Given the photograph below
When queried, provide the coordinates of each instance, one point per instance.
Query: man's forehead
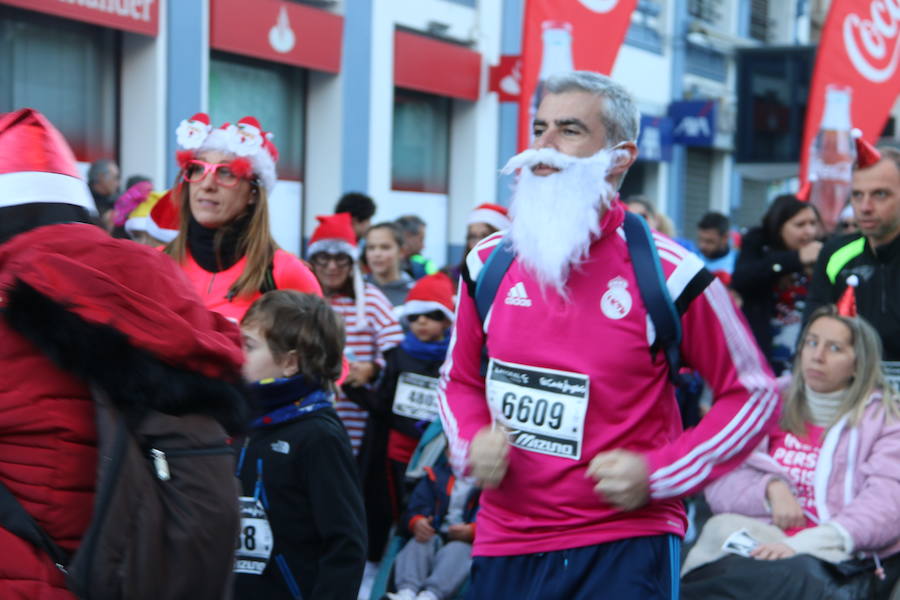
(572, 104)
(884, 173)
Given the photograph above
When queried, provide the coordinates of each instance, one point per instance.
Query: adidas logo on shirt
(517, 296)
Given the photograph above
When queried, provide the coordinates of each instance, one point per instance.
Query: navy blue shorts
(644, 568)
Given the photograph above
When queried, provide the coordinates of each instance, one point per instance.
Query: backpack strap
(15, 519)
(654, 292)
(488, 283)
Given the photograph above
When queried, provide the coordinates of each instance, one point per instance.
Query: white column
(322, 169)
(143, 105)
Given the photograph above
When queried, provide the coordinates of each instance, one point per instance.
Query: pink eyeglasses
(196, 171)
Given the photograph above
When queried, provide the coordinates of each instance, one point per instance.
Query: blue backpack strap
(488, 283)
(652, 284)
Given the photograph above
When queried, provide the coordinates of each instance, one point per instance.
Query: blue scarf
(287, 398)
(435, 351)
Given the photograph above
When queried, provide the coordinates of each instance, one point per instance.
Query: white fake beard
(555, 218)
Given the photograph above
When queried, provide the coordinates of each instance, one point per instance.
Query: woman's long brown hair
(257, 244)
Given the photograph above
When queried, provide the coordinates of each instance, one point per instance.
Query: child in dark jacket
(303, 529)
(441, 517)
(408, 392)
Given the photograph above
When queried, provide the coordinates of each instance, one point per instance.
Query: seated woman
(822, 488)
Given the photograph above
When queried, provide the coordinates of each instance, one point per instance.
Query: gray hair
(620, 114)
(411, 224)
(98, 169)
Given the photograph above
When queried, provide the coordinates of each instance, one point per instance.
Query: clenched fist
(488, 457)
(622, 478)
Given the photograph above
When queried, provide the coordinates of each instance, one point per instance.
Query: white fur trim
(823, 469)
(493, 218)
(229, 140)
(137, 224)
(163, 235)
(333, 246)
(418, 307)
(27, 187)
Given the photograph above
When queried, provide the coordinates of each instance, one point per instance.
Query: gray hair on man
(620, 114)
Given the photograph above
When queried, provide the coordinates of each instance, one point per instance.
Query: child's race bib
(254, 546)
(416, 397)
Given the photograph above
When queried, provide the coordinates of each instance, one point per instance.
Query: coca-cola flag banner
(566, 35)
(859, 49)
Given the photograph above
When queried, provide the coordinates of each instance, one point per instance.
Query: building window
(645, 31)
(67, 70)
(709, 11)
(759, 20)
(237, 85)
(421, 142)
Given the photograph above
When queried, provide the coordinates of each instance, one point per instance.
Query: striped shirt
(366, 342)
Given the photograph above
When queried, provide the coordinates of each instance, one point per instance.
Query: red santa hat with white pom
(245, 139)
(431, 293)
(335, 235)
(37, 165)
(493, 214)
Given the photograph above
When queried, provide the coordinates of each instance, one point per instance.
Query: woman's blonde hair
(257, 244)
(867, 378)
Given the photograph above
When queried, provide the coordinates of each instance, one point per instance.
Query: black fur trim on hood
(102, 356)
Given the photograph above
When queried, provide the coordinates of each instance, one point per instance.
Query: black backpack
(165, 516)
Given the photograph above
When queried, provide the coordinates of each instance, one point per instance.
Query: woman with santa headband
(223, 241)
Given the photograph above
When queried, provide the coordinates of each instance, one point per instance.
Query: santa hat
(37, 165)
(244, 139)
(846, 305)
(139, 218)
(866, 154)
(334, 235)
(431, 293)
(493, 214)
(164, 218)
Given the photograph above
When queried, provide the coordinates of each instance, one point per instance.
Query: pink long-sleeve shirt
(595, 344)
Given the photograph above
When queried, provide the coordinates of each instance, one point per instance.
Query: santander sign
(873, 44)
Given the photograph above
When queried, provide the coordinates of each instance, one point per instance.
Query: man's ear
(290, 364)
(624, 155)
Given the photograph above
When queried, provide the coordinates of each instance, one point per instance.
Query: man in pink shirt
(573, 428)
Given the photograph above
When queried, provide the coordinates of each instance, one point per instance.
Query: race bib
(254, 546)
(544, 409)
(416, 397)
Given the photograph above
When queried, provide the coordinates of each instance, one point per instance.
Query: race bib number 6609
(544, 409)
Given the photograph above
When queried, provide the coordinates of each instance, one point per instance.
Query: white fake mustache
(554, 158)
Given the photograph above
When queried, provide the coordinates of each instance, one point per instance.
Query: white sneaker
(404, 594)
(427, 595)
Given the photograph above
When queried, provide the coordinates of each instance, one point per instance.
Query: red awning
(278, 31)
(137, 16)
(429, 65)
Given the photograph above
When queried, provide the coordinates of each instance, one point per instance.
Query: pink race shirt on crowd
(799, 455)
(574, 377)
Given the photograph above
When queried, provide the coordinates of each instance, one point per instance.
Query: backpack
(165, 517)
(651, 283)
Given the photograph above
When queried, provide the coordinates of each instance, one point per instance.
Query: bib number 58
(526, 409)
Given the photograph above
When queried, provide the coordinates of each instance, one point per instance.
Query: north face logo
(517, 296)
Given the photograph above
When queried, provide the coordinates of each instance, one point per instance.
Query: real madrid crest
(616, 302)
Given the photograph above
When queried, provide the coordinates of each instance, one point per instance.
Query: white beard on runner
(555, 218)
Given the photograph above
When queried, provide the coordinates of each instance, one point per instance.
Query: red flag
(562, 35)
(860, 49)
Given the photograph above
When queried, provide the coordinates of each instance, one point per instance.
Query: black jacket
(878, 292)
(315, 508)
(400, 361)
(757, 270)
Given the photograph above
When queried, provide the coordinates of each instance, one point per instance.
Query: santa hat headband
(431, 293)
(37, 165)
(493, 214)
(244, 139)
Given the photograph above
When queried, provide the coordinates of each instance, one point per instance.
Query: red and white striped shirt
(366, 342)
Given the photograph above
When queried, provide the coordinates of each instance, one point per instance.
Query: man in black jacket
(871, 257)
